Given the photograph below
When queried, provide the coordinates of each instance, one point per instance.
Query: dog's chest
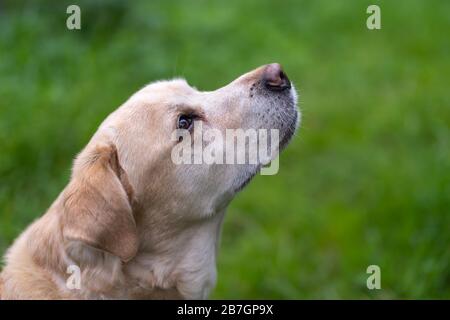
(159, 278)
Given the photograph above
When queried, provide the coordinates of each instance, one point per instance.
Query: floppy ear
(98, 204)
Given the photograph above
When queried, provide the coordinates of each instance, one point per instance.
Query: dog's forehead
(173, 86)
(168, 92)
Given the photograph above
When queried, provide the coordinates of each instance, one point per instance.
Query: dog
(132, 224)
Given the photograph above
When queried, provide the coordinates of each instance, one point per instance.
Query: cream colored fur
(137, 225)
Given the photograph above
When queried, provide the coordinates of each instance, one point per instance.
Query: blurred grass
(367, 180)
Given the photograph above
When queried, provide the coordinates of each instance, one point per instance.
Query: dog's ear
(98, 204)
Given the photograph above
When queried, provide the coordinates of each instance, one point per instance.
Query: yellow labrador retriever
(132, 223)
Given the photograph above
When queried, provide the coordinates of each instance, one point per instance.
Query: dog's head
(130, 172)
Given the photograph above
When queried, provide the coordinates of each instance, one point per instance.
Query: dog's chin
(245, 177)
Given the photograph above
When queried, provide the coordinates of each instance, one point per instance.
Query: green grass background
(366, 181)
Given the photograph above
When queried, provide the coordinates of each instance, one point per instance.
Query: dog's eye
(185, 122)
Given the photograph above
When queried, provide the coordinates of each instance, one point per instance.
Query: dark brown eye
(185, 122)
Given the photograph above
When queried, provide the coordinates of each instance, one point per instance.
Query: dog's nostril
(275, 79)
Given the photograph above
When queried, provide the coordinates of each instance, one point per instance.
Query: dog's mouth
(275, 98)
(291, 129)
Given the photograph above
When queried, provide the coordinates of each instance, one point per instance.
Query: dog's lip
(290, 132)
(294, 121)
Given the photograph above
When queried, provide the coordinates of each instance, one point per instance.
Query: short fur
(137, 225)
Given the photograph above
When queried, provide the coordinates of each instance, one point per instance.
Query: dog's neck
(178, 260)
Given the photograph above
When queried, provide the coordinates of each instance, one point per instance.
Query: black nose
(275, 79)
